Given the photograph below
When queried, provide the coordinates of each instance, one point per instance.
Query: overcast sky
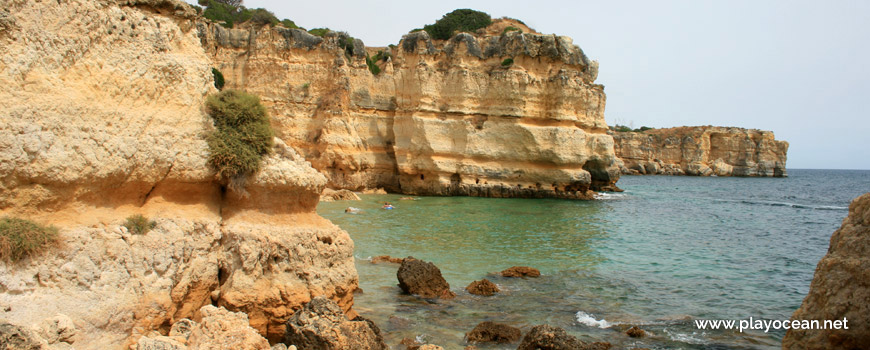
(798, 68)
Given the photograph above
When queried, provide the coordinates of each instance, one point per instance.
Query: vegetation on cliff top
(242, 137)
(20, 238)
(231, 12)
(623, 128)
(461, 20)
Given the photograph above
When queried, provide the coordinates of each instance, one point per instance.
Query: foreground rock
(493, 332)
(701, 151)
(101, 118)
(555, 338)
(423, 278)
(635, 332)
(840, 288)
(330, 195)
(322, 325)
(521, 271)
(483, 287)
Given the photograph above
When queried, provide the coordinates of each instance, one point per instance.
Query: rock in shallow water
(555, 338)
(521, 271)
(493, 332)
(423, 278)
(483, 287)
(322, 325)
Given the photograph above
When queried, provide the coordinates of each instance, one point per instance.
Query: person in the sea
(387, 205)
(352, 210)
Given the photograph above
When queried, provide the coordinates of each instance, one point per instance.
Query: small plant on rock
(507, 62)
(139, 225)
(20, 238)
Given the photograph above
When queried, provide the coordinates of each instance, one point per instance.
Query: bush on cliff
(218, 79)
(242, 137)
(20, 238)
(319, 31)
(462, 20)
(261, 16)
(139, 225)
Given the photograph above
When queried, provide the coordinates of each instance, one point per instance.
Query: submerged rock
(555, 338)
(423, 278)
(840, 289)
(483, 287)
(521, 271)
(635, 332)
(386, 258)
(330, 195)
(493, 332)
(322, 325)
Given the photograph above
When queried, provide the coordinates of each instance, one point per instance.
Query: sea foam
(589, 320)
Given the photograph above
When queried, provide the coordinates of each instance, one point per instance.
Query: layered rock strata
(701, 151)
(101, 118)
(441, 118)
(840, 288)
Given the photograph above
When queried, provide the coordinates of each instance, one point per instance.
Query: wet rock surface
(423, 279)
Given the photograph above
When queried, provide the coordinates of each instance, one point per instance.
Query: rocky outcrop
(483, 287)
(493, 332)
(840, 288)
(322, 325)
(441, 118)
(521, 271)
(423, 278)
(555, 338)
(101, 118)
(701, 151)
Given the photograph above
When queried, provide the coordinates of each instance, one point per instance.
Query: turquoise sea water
(665, 252)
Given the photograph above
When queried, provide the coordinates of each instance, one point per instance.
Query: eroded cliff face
(100, 118)
(441, 118)
(701, 151)
(840, 288)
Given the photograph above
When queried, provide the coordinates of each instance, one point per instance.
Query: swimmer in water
(352, 210)
(387, 205)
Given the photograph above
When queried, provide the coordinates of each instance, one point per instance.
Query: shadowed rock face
(322, 325)
(840, 288)
(441, 118)
(701, 151)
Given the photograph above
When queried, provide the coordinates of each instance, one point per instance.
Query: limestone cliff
(701, 151)
(441, 118)
(840, 288)
(100, 118)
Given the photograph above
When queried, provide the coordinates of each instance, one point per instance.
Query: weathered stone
(330, 195)
(159, 343)
(182, 328)
(322, 325)
(521, 271)
(14, 337)
(386, 258)
(840, 288)
(423, 278)
(483, 287)
(57, 329)
(222, 329)
(493, 332)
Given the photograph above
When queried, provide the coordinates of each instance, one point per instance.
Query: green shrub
(242, 137)
(218, 79)
(462, 20)
(139, 225)
(643, 128)
(507, 62)
(227, 11)
(289, 24)
(198, 9)
(373, 67)
(20, 238)
(511, 29)
(620, 128)
(263, 16)
(415, 30)
(319, 31)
